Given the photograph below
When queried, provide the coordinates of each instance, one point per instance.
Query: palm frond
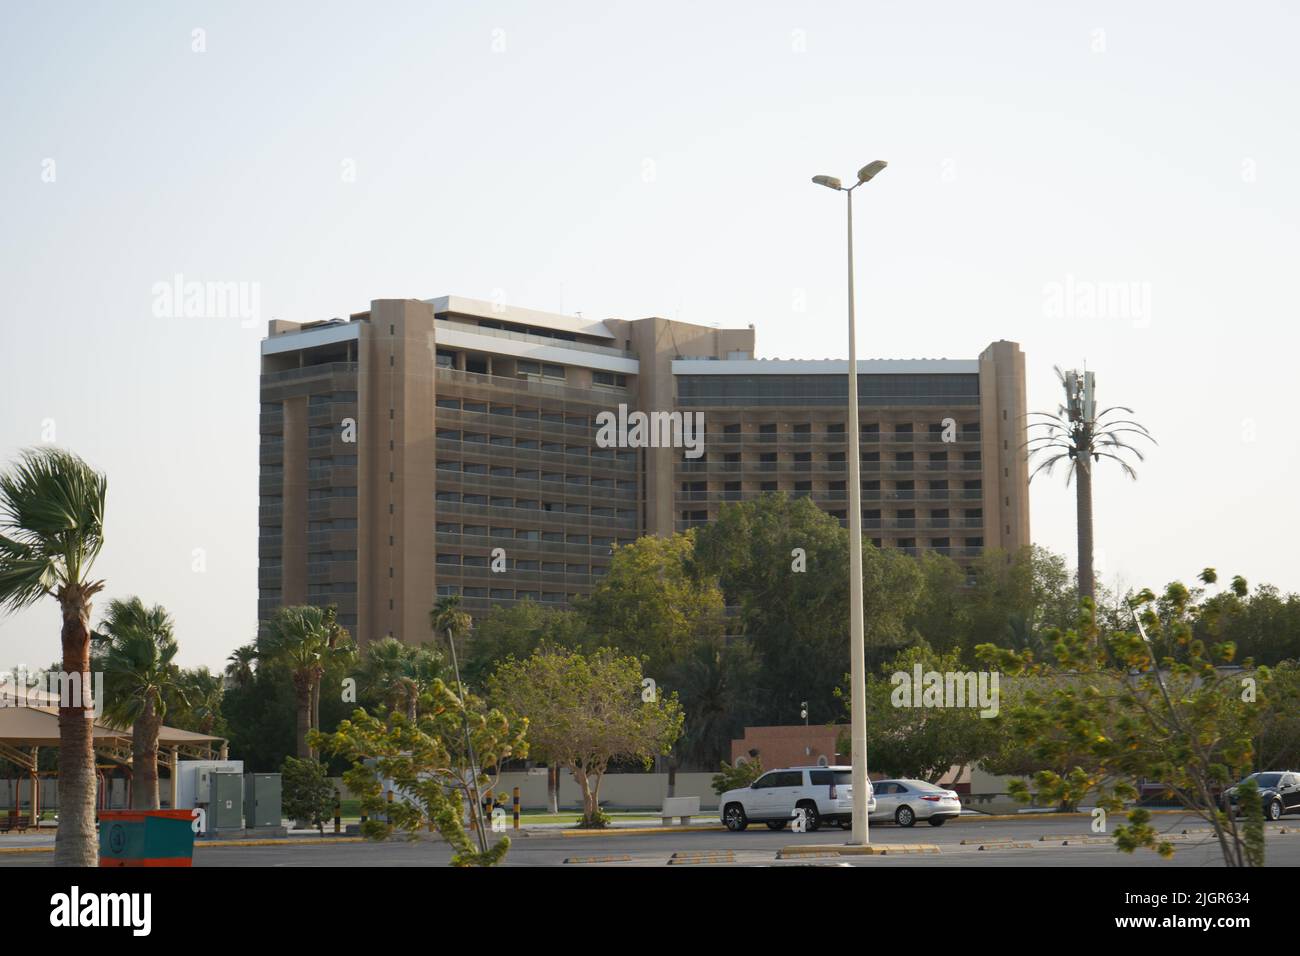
(51, 524)
(1124, 466)
(1119, 446)
(1047, 466)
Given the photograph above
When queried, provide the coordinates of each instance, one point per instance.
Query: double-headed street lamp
(857, 649)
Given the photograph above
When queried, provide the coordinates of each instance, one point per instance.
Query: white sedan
(906, 801)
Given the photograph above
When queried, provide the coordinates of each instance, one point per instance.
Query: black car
(1279, 792)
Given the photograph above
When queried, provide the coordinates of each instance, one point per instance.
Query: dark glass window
(934, 388)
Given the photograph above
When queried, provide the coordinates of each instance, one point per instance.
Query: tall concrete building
(453, 446)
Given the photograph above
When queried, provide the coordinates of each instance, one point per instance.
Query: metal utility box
(194, 783)
(226, 803)
(262, 800)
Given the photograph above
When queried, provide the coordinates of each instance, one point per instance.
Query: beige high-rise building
(453, 446)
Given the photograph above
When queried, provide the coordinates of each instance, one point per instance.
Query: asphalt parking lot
(972, 841)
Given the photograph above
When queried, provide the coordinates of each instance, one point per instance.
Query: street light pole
(857, 645)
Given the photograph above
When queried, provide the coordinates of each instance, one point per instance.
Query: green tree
(784, 562)
(651, 604)
(907, 739)
(742, 774)
(585, 711)
(307, 793)
(449, 618)
(1266, 626)
(1278, 742)
(1077, 432)
(302, 638)
(51, 532)
(338, 660)
(261, 717)
(435, 768)
(199, 705)
(241, 664)
(399, 674)
(716, 685)
(1186, 722)
(136, 652)
(942, 615)
(517, 631)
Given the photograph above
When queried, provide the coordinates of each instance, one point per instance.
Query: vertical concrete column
(173, 767)
(1003, 423)
(400, 464)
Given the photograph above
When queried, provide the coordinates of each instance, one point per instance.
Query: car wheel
(904, 816)
(811, 818)
(1275, 810)
(734, 817)
(776, 824)
(938, 821)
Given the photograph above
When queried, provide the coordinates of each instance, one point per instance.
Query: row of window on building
(625, 485)
(484, 562)
(575, 509)
(506, 594)
(530, 534)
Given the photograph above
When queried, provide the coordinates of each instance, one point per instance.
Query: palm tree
(399, 674)
(239, 665)
(203, 692)
(51, 531)
(338, 652)
(300, 637)
(1082, 435)
(448, 617)
(715, 683)
(137, 655)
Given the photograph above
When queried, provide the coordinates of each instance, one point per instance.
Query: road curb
(200, 844)
(286, 841)
(875, 849)
(624, 858)
(633, 831)
(1049, 815)
(702, 856)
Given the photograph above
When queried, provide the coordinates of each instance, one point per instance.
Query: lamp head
(868, 171)
(830, 182)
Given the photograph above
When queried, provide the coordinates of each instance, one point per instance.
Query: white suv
(824, 794)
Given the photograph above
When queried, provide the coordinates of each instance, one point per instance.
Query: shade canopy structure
(20, 695)
(26, 729)
(39, 727)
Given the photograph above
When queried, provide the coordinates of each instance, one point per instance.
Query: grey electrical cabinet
(226, 806)
(262, 799)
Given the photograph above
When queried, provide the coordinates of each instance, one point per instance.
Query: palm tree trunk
(303, 692)
(1083, 491)
(144, 760)
(75, 843)
(315, 712)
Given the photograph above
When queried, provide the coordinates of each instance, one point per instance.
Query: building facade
(453, 446)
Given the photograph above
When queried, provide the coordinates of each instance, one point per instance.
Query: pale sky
(652, 159)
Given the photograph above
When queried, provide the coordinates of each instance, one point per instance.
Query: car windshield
(1265, 779)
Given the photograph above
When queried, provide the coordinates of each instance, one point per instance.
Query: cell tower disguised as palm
(1084, 436)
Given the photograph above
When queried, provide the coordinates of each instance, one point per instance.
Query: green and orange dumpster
(146, 838)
